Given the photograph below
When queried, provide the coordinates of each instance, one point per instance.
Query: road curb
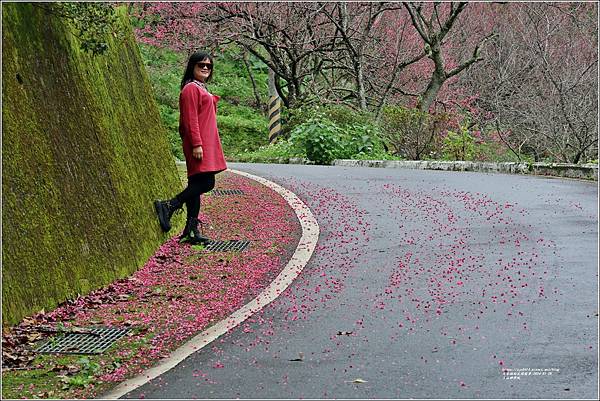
(301, 256)
(586, 171)
(563, 170)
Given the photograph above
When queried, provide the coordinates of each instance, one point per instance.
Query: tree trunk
(258, 102)
(279, 89)
(360, 83)
(431, 92)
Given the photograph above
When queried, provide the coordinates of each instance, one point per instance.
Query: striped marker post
(274, 118)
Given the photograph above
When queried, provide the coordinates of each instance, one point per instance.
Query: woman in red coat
(201, 146)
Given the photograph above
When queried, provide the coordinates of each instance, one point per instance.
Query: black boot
(191, 234)
(164, 211)
(186, 231)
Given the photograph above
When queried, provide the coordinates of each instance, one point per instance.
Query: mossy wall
(83, 157)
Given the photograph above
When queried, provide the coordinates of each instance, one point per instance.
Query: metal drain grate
(96, 342)
(221, 192)
(226, 246)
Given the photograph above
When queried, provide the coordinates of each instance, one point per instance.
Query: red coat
(198, 127)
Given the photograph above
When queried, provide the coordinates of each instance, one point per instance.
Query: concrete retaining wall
(581, 171)
(84, 155)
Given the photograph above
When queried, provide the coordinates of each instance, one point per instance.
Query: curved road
(424, 284)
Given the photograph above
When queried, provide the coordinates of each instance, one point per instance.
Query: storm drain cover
(222, 192)
(98, 340)
(226, 246)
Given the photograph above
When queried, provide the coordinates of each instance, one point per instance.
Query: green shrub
(469, 144)
(279, 152)
(342, 116)
(411, 133)
(321, 139)
(496, 152)
(459, 145)
(325, 140)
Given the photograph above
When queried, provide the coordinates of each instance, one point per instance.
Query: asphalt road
(424, 284)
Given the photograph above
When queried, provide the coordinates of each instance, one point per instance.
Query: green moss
(84, 156)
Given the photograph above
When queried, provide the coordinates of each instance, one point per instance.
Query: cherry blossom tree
(527, 72)
(538, 85)
(370, 45)
(433, 22)
(287, 37)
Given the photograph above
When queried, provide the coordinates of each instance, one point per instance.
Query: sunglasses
(205, 65)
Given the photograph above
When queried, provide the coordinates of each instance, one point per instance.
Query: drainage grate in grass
(223, 192)
(98, 340)
(227, 246)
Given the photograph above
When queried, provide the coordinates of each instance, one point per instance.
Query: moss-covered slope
(83, 157)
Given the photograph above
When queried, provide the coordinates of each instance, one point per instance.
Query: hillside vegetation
(317, 132)
(497, 81)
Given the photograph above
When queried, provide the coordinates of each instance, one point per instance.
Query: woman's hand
(197, 152)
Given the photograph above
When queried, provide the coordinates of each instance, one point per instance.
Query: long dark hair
(188, 75)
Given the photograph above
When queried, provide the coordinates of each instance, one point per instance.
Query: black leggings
(197, 184)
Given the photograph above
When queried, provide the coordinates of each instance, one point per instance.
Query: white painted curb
(301, 256)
